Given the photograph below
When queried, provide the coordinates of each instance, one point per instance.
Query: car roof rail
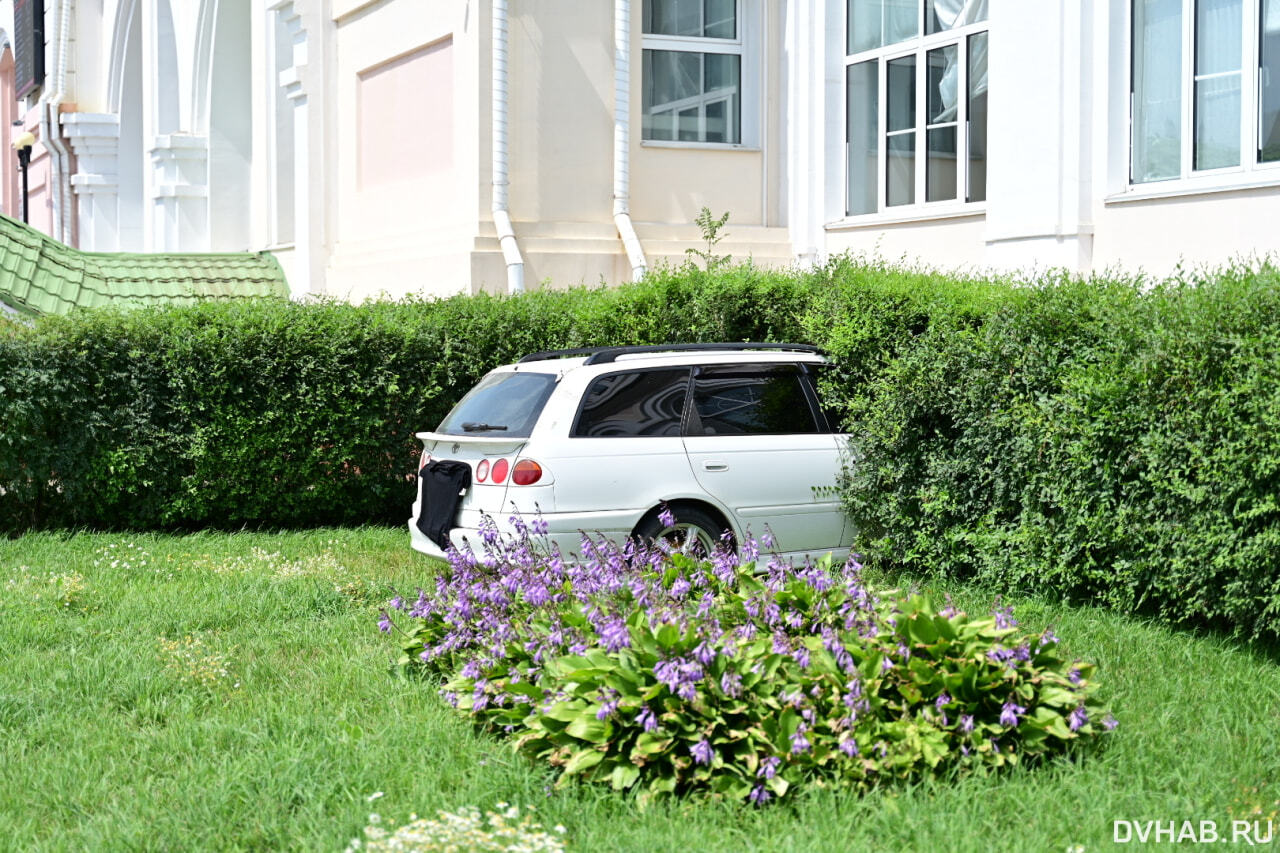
(608, 355)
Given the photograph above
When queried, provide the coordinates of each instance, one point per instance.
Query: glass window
(1217, 83)
(501, 405)
(1206, 86)
(734, 401)
(943, 110)
(1269, 81)
(1157, 89)
(636, 403)
(977, 124)
(862, 92)
(916, 115)
(876, 23)
(692, 71)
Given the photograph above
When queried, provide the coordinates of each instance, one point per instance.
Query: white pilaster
(179, 169)
(1040, 137)
(95, 139)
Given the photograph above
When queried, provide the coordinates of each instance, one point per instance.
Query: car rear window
(635, 403)
(502, 404)
(751, 401)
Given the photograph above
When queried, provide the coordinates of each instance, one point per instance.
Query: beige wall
(404, 109)
(1158, 234)
(955, 243)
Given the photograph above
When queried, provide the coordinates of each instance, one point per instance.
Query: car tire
(695, 531)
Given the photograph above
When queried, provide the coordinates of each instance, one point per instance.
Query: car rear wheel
(694, 532)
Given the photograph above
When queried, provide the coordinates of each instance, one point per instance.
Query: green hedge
(287, 414)
(1109, 441)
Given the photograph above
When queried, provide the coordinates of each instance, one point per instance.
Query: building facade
(443, 146)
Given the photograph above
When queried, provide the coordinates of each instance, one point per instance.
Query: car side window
(754, 400)
(634, 403)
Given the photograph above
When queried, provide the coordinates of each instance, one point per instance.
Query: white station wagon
(728, 437)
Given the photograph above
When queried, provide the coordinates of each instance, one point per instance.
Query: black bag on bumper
(443, 484)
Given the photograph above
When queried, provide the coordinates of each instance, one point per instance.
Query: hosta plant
(740, 675)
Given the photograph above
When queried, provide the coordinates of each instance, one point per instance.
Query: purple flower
(666, 518)
(702, 752)
(942, 701)
(769, 767)
(1009, 713)
(1077, 718)
(1109, 723)
(607, 709)
(396, 603)
(801, 654)
(680, 587)
(1074, 677)
(614, 635)
(731, 685)
(705, 653)
(966, 723)
(849, 747)
(646, 719)
(799, 743)
(759, 795)
(1004, 618)
(384, 624)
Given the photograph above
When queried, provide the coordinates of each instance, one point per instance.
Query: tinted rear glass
(638, 403)
(502, 404)
(735, 401)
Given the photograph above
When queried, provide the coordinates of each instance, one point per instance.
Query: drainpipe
(622, 137)
(51, 129)
(501, 217)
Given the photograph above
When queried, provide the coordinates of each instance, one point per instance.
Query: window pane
(942, 15)
(685, 84)
(1218, 43)
(1157, 90)
(640, 403)
(944, 79)
(758, 403)
(862, 91)
(721, 21)
(697, 18)
(901, 93)
(875, 23)
(940, 168)
(1217, 141)
(900, 170)
(977, 117)
(1269, 78)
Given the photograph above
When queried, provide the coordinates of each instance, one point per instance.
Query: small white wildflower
(375, 796)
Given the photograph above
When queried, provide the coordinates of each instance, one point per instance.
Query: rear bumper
(564, 530)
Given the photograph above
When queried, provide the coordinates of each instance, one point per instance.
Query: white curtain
(952, 14)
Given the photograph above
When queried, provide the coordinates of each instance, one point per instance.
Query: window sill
(1181, 188)
(698, 146)
(877, 220)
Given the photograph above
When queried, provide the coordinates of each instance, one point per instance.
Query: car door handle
(715, 466)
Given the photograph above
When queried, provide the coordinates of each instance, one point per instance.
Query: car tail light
(526, 473)
(499, 472)
(423, 458)
(482, 471)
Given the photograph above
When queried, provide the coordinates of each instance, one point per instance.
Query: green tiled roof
(39, 275)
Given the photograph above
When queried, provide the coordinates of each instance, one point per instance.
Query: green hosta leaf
(583, 759)
(624, 776)
(566, 712)
(588, 728)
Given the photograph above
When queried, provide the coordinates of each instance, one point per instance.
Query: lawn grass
(210, 696)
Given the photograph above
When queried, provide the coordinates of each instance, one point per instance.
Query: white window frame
(1250, 172)
(746, 46)
(918, 46)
